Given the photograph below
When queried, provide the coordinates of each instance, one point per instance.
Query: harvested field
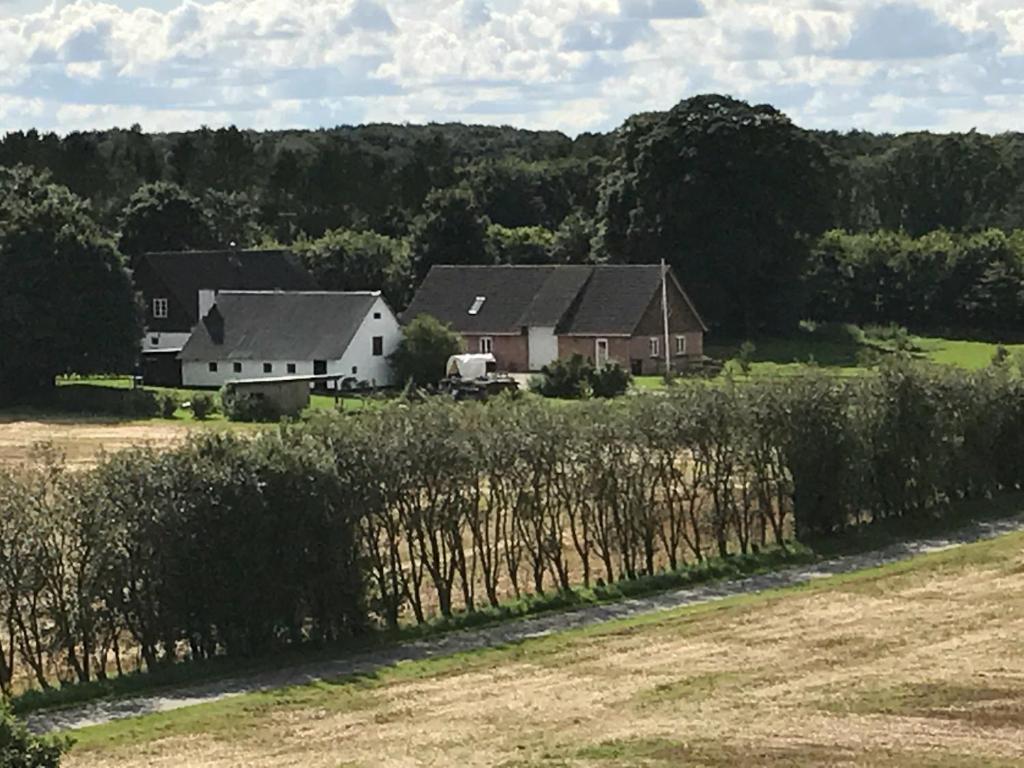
(914, 664)
(81, 439)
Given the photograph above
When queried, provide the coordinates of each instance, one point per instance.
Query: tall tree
(343, 260)
(163, 217)
(726, 193)
(451, 230)
(66, 300)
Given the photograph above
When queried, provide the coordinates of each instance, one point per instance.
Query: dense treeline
(234, 545)
(732, 195)
(943, 280)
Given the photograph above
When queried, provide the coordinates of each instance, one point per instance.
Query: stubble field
(918, 664)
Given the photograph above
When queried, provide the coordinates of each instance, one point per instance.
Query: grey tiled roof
(588, 300)
(280, 325)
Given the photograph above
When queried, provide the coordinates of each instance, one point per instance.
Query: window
(160, 308)
(154, 340)
(478, 302)
(486, 345)
(378, 346)
(680, 345)
(213, 367)
(376, 315)
(655, 345)
(319, 367)
(268, 368)
(237, 367)
(291, 367)
(355, 369)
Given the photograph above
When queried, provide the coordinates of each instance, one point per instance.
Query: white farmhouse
(273, 334)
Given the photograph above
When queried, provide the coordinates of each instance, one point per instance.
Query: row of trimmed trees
(239, 545)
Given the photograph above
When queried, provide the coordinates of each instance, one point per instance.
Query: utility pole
(664, 313)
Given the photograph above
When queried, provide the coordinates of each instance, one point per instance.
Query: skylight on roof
(477, 303)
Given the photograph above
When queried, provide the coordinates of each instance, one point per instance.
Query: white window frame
(680, 345)
(160, 309)
(601, 359)
(486, 345)
(654, 346)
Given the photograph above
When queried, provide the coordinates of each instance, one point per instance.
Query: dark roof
(279, 325)
(185, 273)
(615, 300)
(586, 300)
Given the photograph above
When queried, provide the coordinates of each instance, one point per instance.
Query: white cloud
(573, 65)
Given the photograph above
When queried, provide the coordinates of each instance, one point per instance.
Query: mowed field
(916, 664)
(81, 439)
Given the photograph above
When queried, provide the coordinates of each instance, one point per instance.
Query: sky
(568, 65)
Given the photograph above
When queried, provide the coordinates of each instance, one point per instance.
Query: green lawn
(318, 403)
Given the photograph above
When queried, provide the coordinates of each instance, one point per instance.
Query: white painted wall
(164, 340)
(543, 347)
(359, 355)
(207, 298)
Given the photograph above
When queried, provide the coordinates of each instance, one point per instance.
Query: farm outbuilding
(273, 334)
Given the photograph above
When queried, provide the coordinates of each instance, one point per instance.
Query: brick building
(528, 316)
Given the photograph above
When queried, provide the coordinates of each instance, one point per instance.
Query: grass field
(915, 664)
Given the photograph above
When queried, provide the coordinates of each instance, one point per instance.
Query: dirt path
(512, 632)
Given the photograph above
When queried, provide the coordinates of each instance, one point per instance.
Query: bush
(423, 352)
(576, 378)
(85, 398)
(610, 381)
(168, 405)
(567, 379)
(202, 406)
(21, 749)
(248, 407)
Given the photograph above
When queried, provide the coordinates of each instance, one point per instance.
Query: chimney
(214, 322)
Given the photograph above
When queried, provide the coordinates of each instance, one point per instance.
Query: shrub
(610, 381)
(248, 407)
(168, 406)
(424, 350)
(21, 749)
(567, 379)
(85, 398)
(202, 406)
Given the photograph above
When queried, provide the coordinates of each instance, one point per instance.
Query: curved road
(99, 712)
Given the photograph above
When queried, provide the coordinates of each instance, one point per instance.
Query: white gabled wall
(360, 351)
(359, 355)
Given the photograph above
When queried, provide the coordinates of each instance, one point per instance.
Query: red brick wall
(511, 352)
(618, 348)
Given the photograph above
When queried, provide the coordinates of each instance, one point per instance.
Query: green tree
(21, 749)
(232, 219)
(424, 350)
(163, 217)
(521, 245)
(344, 260)
(725, 192)
(451, 230)
(66, 300)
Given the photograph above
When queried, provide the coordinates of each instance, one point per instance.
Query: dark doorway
(636, 366)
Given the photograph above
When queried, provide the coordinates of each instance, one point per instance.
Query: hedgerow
(316, 532)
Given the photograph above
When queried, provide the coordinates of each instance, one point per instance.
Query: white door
(601, 352)
(543, 347)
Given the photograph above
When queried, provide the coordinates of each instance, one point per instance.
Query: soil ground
(915, 663)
